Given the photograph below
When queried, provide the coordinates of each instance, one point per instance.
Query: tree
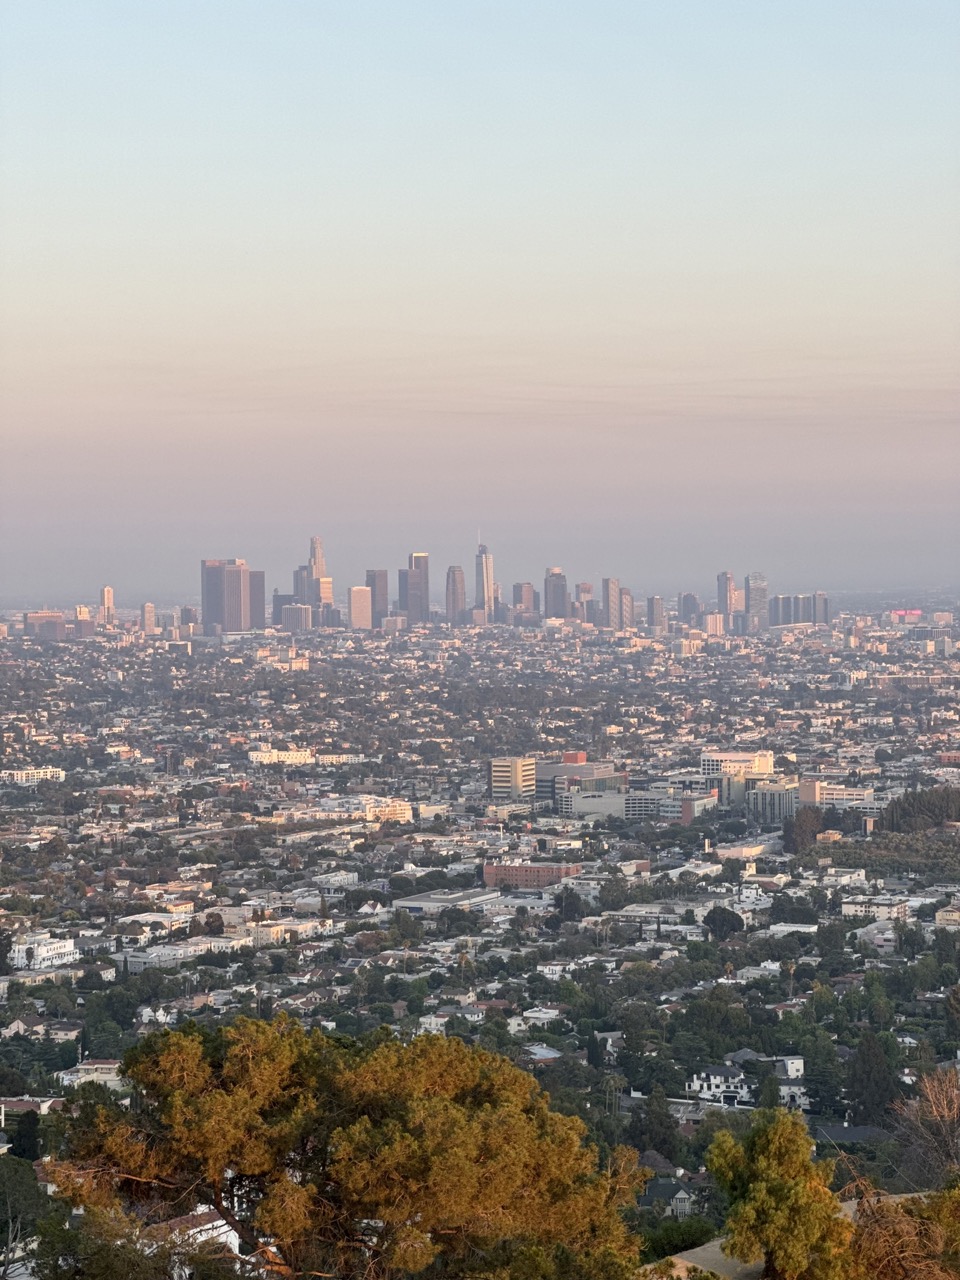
(352, 1159)
(782, 1209)
(928, 1127)
(26, 1139)
(871, 1083)
(653, 1127)
(594, 1052)
(106, 1245)
(213, 924)
(22, 1205)
(722, 922)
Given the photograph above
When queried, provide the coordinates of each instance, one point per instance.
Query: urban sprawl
(679, 858)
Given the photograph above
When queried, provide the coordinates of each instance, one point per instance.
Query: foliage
(353, 1159)
(722, 922)
(106, 1245)
(928, 1128)
(871, 1083)
(653, 1127)
(22, 1205)
(782, 1209)
(920, 809)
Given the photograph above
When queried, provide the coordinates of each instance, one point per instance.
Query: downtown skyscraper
(485, 591)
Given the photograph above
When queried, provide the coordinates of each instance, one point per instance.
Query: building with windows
(360, 608)
(379, 596)
(485, 591)
(233, 597)
(556, 599)
(512, 778)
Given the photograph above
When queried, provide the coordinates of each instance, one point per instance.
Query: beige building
(513, 778)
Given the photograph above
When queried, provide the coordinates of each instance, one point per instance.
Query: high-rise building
(726, 589)
(307, 577)
(627, 610)
(821, 607)
(148, 618)
(360, 608)
(656, 613)
(485, 593)
(583, 592)
(379, 596)
(296, 618)
(456, 595)
(688, 607)
(318, 561)
(525, 598)
(414, 588)
(106, 614)
(610, 595)
(755, 597)
(233, 596)
(556, 601)
(512, 778)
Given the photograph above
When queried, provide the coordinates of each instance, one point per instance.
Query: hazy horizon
(647, 291)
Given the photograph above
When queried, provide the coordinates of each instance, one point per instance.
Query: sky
(645, 288)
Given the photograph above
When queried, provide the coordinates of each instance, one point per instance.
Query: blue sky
(649, 289)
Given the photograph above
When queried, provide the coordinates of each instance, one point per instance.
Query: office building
(525, 598)
(755, 597)
(512, 778)
(627, 611)
(360, 608)
(45, 624)
(688, 608)
(726, 595)
(233, 596)
(295, 618)
(484, 601)
(556, 601)
(148, 618)
(414, 589)
(656, 613)
(456, 595)
(106, 614)
(379, 596)
(610, 597)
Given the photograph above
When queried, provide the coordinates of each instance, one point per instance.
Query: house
(104, 1071)
(725, 1085)
(678, 1201)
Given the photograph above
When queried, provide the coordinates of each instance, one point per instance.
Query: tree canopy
(374, 1160)
(782, 1209)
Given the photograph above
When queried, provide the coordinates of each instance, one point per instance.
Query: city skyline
(616, 283)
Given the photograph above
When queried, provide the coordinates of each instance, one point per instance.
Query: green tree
(26, 1139)
(653, 1128)
(370, 1159)
(722, 922)
(22, 1205)
(782, 1209)
(871, 1082)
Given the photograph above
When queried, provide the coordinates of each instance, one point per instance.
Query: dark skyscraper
(556, 601)
(233, 596)
(456, 595)
(688, 607)
(656, 613)
(378, 583)
(414, 589)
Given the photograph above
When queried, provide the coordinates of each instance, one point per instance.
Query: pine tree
(871, 1083)
(782, 1209)
(653, 1128)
